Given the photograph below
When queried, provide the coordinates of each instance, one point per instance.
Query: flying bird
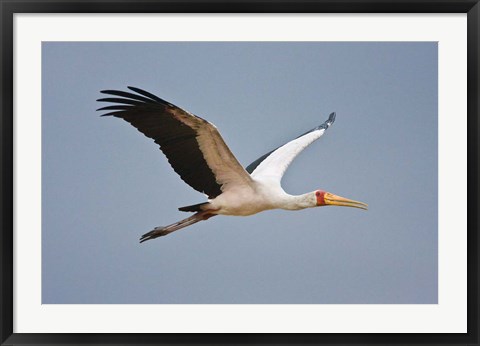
(197, 152)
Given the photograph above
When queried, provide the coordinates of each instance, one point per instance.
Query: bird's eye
(317, 193)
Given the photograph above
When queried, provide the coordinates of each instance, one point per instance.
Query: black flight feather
(154, 117)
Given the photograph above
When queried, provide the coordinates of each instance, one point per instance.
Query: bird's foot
(159, 231)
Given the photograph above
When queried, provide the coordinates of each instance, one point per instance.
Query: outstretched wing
(273, 165)
(193, 146)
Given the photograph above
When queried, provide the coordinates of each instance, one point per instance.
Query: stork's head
(326, 198)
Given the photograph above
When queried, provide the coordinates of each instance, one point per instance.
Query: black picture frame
(10, 7)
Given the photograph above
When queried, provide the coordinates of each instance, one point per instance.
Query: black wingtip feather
(331, 118)
(120, 100)
(145, 93)
(149, 95)
(119, 113)
(140, 95)
(328, 122)
(127, 96)
(108, 91)
(114, 108)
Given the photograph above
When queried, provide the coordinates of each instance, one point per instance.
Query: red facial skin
(320, 197)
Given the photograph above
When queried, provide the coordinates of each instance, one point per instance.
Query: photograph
(239, 172)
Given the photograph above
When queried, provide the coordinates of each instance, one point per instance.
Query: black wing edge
(325, 125)
(329, 121)
(127, 100)
(130, 105)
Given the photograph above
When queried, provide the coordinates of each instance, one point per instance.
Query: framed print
(373, 101)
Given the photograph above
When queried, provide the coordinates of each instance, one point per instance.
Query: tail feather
(194, 207)
(162, 231)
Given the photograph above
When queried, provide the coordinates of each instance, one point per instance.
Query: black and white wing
(192, 145)
(273, 165)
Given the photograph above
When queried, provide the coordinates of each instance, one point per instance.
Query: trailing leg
(162, 231)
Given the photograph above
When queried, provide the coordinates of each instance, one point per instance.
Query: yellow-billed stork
(196, 151)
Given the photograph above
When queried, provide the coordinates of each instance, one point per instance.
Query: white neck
(307, 200)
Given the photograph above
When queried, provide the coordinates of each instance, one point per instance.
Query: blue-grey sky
(104, 184)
